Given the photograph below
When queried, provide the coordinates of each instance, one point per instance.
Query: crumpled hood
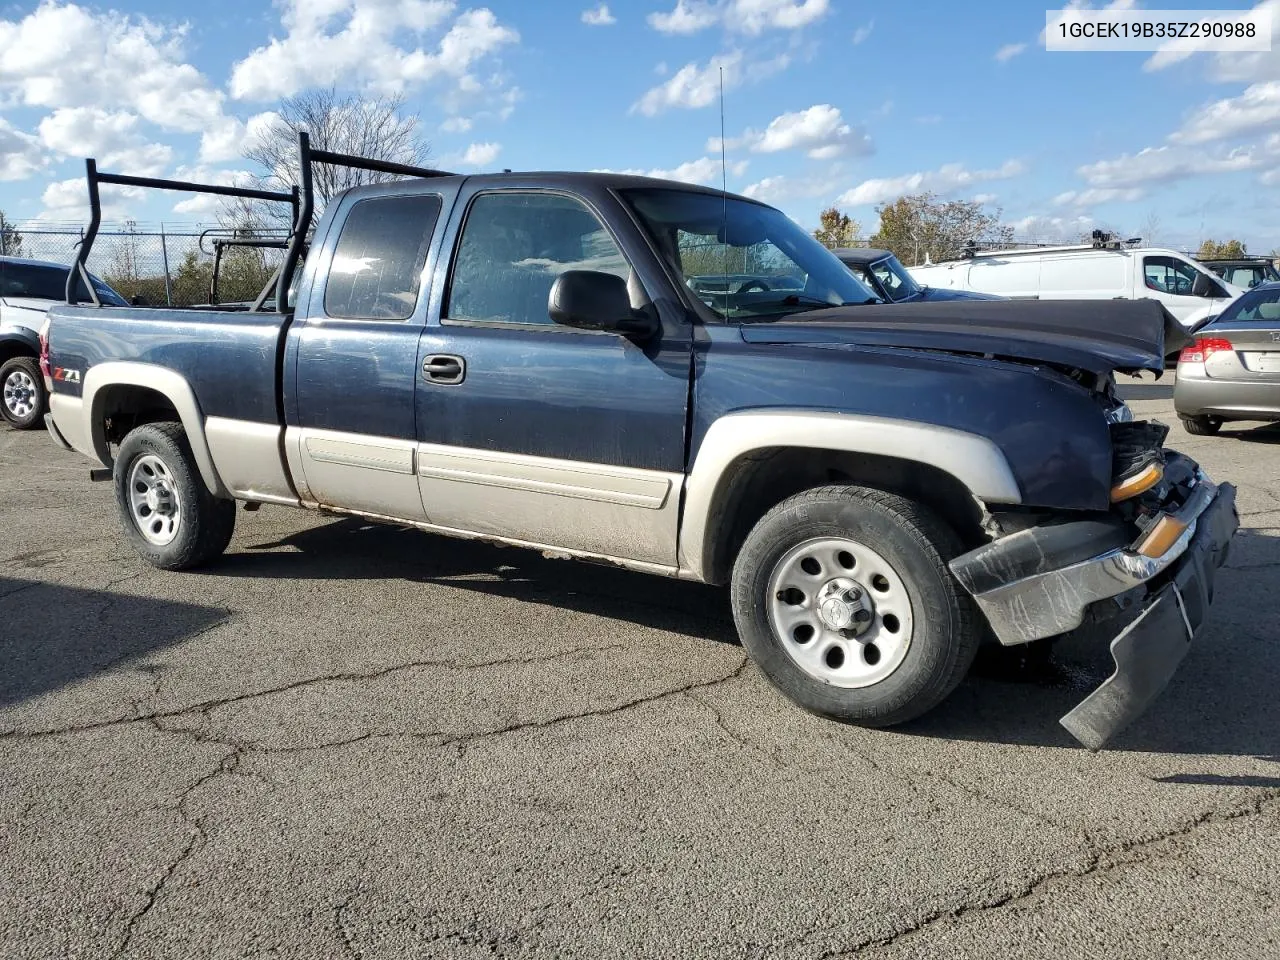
(1094, 335)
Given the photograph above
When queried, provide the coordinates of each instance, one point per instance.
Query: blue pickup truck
(539, 359)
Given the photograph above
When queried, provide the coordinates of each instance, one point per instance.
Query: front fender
(973, 460)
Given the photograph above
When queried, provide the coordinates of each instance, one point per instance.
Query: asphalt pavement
(346, 740)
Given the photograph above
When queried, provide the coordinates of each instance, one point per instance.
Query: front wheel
(168, 513)
(842, 596)
(22, 397)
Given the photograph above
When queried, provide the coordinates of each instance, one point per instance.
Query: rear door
(541, 433)
(1015, 277)
(353, 353)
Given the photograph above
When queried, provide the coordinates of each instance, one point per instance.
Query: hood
(1094, 335)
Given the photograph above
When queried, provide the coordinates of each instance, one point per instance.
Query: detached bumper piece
(1041, 583)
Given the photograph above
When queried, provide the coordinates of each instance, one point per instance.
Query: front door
(354, 351)
(1170, 281)
(540, 433)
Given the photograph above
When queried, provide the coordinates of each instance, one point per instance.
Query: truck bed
(230, 357)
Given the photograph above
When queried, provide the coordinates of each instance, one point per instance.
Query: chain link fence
(158, 264)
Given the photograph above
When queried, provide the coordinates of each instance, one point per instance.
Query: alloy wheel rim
(19, 394)
(155, 507)
(840, 611)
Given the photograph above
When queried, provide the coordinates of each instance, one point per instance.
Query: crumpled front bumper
(1177, 588)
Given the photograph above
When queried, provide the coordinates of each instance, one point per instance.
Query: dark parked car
(1245, 273)
(888, 278)
(521, 357)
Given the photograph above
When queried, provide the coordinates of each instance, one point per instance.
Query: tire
(1201, 426)
(23, 400)
(168, 514)
(907, 546)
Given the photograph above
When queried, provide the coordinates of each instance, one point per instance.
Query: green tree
(923, 225)
(10, 239)
(836, 229)
(1227, 250)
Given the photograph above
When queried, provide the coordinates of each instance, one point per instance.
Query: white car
(1188, 290)
(27, 289)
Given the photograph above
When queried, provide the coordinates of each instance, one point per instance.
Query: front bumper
(1176, 589)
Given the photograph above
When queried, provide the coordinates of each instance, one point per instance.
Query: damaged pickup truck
(536, 359)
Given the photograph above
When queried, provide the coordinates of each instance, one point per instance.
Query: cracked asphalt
(345, 740)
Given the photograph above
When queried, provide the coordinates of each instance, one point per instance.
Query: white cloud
(598, 16)
(1239, 67)
(1164, 164)
(1042, 229)
(62, 55)
(820, 131)
(113, 138)
(456, 125)
(480, 154)
(1096, 195)
(204, 203)
(69, 200)
(984, 198)
(946, 179)
(357, 42)
(1009, 51)
(20, 153)
(694, 86)
(778, 188)
(1258, 108)
(704, 170)
(741, 16)
(863, 32)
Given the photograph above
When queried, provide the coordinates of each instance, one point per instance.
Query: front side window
(49, 283)
(513, 247)
(742, 259)
(377, 264)
(1167, 275)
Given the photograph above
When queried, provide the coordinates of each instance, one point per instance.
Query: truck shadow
(1222, 701)
(52, 636)
(357, 549)
(1161, 389)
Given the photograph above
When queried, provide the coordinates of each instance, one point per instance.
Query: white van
(1189, 291)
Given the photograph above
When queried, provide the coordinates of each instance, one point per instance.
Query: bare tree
(376, 128)
(1152, 230)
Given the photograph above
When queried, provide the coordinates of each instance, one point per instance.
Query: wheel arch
(18, 342)
(748, 462)
(149, 392)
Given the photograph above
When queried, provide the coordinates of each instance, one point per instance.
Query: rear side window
(377, 265)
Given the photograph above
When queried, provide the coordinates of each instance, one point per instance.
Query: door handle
(444, 368)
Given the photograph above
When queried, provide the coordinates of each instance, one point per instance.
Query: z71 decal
(66, 374)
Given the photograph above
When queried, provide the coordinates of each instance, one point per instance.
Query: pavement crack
(1099, 860)
(154, 893)
(737, 738)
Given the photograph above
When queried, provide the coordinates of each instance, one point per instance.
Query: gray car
(1232, 371)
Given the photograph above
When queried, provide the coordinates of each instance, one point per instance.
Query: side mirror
(591, 300)
(1202, 286)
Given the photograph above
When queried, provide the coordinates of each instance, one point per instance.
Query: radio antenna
(725, 196)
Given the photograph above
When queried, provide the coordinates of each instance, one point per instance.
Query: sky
(826, 101)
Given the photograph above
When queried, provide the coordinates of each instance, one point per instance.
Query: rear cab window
(376, 272)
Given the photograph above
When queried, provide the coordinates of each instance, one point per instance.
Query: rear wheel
(168, 513)
(1201, 426)
(22, 397)
(842, 596)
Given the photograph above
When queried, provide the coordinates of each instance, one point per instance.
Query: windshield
(745, 261)
(49, 283)
(1254, 305)
(897, 283)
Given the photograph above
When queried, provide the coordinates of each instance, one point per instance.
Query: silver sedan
(1232, 371)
